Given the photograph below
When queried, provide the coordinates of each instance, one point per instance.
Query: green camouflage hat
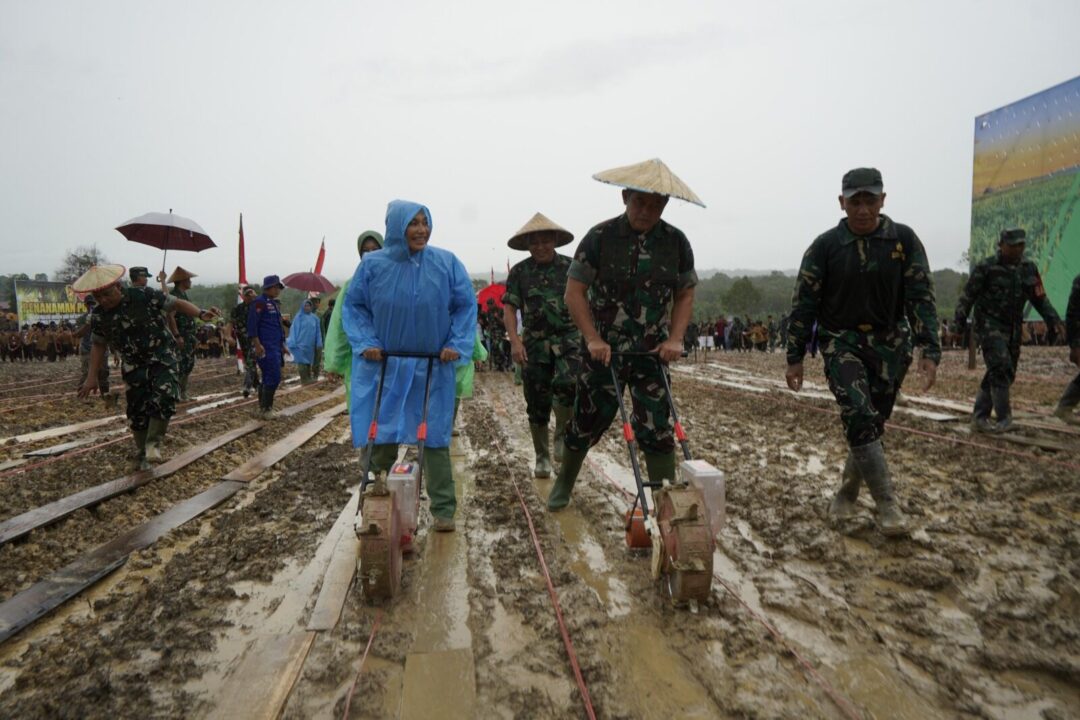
(1013, 236)
(862, 180)
(138, 272)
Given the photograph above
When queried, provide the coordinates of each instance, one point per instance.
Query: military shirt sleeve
(513, 288)
(1036, 294)
(805, 301)
(919, 300)
(586, 263)
(1072, 315)
(96, 336)
(687, 275)
(973, 288)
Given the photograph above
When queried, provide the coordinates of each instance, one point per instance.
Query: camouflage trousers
(865, 371)
(152, 391)
(186, 355)
(595, 405)
(1001, 353)
(549, 376)
(251, 366)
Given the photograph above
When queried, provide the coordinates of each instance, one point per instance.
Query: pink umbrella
(168, 232)
(309, 281)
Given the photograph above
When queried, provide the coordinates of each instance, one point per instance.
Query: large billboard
(1027, 174)
(46, 302)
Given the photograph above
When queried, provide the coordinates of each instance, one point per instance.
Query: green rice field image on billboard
(1027, 174)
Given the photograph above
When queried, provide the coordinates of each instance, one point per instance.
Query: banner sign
(46, 302)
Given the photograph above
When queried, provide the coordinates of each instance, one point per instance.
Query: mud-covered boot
(268, 414)
(870, 465)
(842, 506)
(110, 400)
(660, 466)
(563, 413)
(155, 434)
(138, 460)
(980, 416)
(540, 447)
(1067, 414)
(1002, 409)
(184, 397)
(559, 497)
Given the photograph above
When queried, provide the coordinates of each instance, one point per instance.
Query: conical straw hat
(180, 274)
(98, 277)
(651, 176)
(539, 223)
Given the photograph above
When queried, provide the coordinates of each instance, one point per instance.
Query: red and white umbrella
(309, 281)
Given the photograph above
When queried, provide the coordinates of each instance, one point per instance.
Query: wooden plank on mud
(273, 454)
(22, 524)
(50, 433)
(44, 596)
(439, 684)
(337, 581)
(262, 682)
(59, 449)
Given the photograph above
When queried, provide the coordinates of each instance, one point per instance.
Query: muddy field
(975, 615)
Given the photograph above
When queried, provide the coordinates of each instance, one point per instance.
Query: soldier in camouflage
(998, 289)
(549, 347)
(238, 317)
(861, 281)
(1071, 397)
(630, 288)
(185, 327)
(132, 321)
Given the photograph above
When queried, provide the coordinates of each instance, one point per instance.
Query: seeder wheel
(637, 537)
(379, 574)
(687, 545)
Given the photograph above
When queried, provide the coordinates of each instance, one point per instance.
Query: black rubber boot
(564, 481)
(871, 467)
(842, 506)
(563, 414)
(155, 434)
(139, 460)
(980, 417)
(1002, 408)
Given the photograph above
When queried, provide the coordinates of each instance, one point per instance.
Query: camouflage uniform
(632, 281)
(85, 343)
(998, 292)
(185, 326)
(238, 317)
(1071, 397)
(552, 341)
(137, 329)
(863, 290)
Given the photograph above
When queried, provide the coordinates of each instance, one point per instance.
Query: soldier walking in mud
(185, 327)
(238, 317)
(1071, 397)
(86, 346)
(630, 288)
(132, 321)
(858, 281)
(998, 288)
(549, 347)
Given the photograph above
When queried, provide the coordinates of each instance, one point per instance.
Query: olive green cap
(1013, 236)
(862, 180)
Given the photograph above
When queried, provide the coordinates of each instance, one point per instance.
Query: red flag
(322, 257)
(243, 270)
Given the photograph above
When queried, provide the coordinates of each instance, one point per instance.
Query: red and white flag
(322, 257)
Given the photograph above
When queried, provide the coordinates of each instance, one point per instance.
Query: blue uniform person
(268, 338)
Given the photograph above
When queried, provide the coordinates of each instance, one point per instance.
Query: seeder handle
(421, 431)
(680, 434)
(631, 443)
(373, 430)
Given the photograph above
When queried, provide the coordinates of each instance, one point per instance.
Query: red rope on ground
(363, 659)
(845, 705)
(567, 642)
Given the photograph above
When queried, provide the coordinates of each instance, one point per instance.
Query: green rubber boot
(660, 466)
(563, 414)
(842, 506)
(155, 434)
(564, 481)
(139, 460)
(871, 467)
(540, 447)
(183, 389)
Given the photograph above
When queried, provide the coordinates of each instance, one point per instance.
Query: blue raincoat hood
(305, 335)
(416, 302)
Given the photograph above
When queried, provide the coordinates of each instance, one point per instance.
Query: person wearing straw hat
(549, 346)
(266, 330)
(630, 288)
(859, 282)
(183, 326)
(132, 321)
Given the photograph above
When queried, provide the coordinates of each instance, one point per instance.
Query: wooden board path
(44, 596)
(271, 455)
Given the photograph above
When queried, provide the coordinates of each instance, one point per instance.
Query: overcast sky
(310, 117)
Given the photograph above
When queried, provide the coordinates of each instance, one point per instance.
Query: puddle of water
(590, 564)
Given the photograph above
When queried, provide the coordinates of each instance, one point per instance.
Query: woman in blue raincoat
(409, 297)
(305, 335)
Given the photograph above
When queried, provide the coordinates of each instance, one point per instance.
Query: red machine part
(637, 536)
(379, 575)
(687, 543)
